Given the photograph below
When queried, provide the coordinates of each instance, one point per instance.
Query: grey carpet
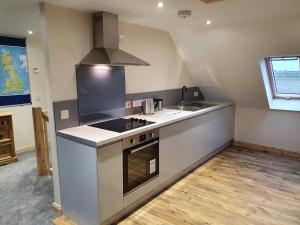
(25, 198)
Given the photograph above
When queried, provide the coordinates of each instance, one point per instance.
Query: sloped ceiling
(223, 58)
(19, 16)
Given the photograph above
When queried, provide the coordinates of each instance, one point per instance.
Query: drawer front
(141, 192)
(4, 123)
(4, 134)
(5, 150)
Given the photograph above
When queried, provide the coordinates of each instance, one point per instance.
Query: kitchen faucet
(183, 91)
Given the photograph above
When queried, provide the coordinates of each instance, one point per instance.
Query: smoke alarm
(184, 14)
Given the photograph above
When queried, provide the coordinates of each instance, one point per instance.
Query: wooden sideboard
(7, 144)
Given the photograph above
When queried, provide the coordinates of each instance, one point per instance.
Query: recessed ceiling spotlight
(30, 32)
(160, 4)
(208, 22)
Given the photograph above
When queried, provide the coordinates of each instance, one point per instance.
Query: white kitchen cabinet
(91, 181)
(188, 142)
(78, 181)
(169, 151)
(91, 178)
(110, 173)
(184, 143)
(203, 136)
(213, 130)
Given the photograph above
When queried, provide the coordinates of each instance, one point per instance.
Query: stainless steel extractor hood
(106, 44)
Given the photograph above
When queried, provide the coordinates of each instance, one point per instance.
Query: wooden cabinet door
(7, 146)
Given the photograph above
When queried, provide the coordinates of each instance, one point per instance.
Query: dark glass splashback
(101, 93)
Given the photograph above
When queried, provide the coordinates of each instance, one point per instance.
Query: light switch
(38, 98)
(64, 114)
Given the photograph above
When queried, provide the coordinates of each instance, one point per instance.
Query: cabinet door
(188, 143)
(110, 172)
(205, 133)
(204, 138)
(214, 129)
(169, 151)
(226, 124)
(220, 127)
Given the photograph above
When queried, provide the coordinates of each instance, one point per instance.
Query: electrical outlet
(64, 114)
(137, 103)
(196, 93)
(128, 104)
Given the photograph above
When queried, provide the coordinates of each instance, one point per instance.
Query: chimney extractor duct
(106, 44)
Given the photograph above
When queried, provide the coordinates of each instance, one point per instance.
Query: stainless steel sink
(184, 108)
(199, 104)
(192, 106)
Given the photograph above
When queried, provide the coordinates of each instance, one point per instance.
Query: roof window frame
(272, 82)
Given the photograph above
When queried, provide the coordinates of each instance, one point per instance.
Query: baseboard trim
(57, 208)
(265, 148)
(25, 149)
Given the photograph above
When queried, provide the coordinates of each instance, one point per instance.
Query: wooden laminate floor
(237, 187)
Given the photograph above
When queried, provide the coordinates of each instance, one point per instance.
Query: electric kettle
(148, 106)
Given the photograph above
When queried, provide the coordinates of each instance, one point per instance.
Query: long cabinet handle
(142, 147)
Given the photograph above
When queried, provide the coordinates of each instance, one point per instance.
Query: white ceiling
(229, 11)
(231, 18)
(21, 15)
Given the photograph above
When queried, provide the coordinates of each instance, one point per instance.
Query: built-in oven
(140, 160)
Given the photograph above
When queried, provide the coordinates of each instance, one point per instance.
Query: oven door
(140, 164)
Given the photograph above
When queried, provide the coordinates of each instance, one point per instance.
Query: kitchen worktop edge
(95, 137)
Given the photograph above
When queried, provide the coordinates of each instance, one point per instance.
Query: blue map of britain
(14, 79)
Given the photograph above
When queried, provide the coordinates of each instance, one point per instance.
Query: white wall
(16, 18)
(167, 70)
(223, 58)
(224, 62)
(22, 115)
(268, 127)
(70, 39)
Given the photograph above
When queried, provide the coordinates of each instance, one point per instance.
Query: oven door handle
(145, 146)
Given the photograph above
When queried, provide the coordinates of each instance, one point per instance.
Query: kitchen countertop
(96, 137)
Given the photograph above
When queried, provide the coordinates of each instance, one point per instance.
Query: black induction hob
(122, 125)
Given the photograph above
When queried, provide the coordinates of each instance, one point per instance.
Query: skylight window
(281, 77)
(284, 77)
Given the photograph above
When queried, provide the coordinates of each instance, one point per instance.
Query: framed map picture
(14, 77)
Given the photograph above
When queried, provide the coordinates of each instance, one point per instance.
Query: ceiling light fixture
(184, 14)
(208, 22)
(160, 4)
(30, 32)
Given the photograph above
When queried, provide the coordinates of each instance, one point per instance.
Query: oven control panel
(140, 138)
